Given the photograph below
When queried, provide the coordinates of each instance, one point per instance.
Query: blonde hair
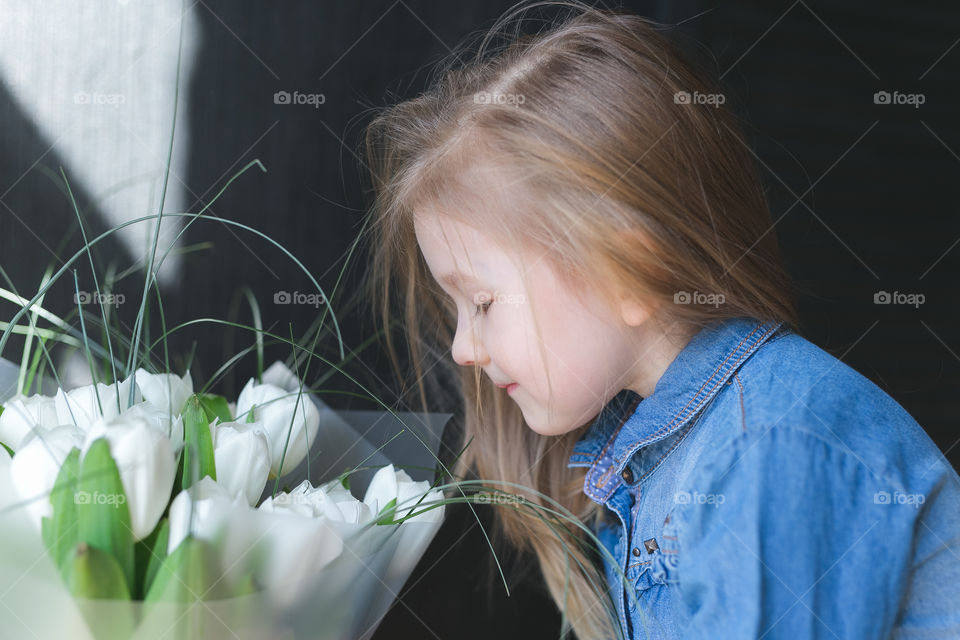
(624, 182)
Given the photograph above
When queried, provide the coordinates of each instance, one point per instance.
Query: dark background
(863, 197)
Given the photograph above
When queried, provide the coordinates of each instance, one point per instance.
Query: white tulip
(274, 408)
(21, 413)
(242, 455)
(202, 511)
(279, 375)
(284, 547)
(330, 501)
(36, 464)
(170, 426)
(166, 391)
(297, 546)
(144, 456)
(387, 484)
(416, 533)
(80, 406)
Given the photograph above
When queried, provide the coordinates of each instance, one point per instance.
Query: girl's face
(589, 352)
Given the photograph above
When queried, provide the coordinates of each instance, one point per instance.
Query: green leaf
(250, 416)
(215, 406)
(387, 512)
(9, 450)
(93, 574)
(189, 574)
(60, 531)
(103, 518)
(151, 552)
(345, 482)
(198, 460)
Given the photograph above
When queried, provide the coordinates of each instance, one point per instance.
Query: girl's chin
(551, 429)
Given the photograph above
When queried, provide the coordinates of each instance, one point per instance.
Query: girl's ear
(633, 312)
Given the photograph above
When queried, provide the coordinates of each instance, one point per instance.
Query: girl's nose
(467, 348)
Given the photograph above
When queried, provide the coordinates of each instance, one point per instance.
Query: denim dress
(767, 490)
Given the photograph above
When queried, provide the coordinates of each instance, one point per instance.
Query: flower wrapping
(325, 563)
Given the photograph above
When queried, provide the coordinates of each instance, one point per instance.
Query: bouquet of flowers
(159, 500)
(171, 500)
(144, 507)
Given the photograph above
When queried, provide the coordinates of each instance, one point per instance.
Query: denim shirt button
(636, 551)
(627, 475)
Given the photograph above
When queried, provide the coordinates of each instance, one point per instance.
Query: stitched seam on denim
(682, 412)
(613, 437)
(743, 356)
(606, 474)
(743, 411)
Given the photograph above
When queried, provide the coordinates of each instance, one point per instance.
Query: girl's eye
(482, 308)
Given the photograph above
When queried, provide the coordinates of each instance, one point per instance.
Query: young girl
(576, 218)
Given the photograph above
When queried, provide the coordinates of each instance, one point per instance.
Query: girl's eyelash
(484, 307)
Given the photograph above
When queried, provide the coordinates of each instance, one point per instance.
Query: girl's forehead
(451, 245)
(438, 231)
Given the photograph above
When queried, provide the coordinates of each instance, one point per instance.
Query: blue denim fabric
(767, 490)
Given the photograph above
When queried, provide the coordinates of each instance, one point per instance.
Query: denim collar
(628, 422)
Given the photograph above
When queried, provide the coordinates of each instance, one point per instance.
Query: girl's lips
(510, 386)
